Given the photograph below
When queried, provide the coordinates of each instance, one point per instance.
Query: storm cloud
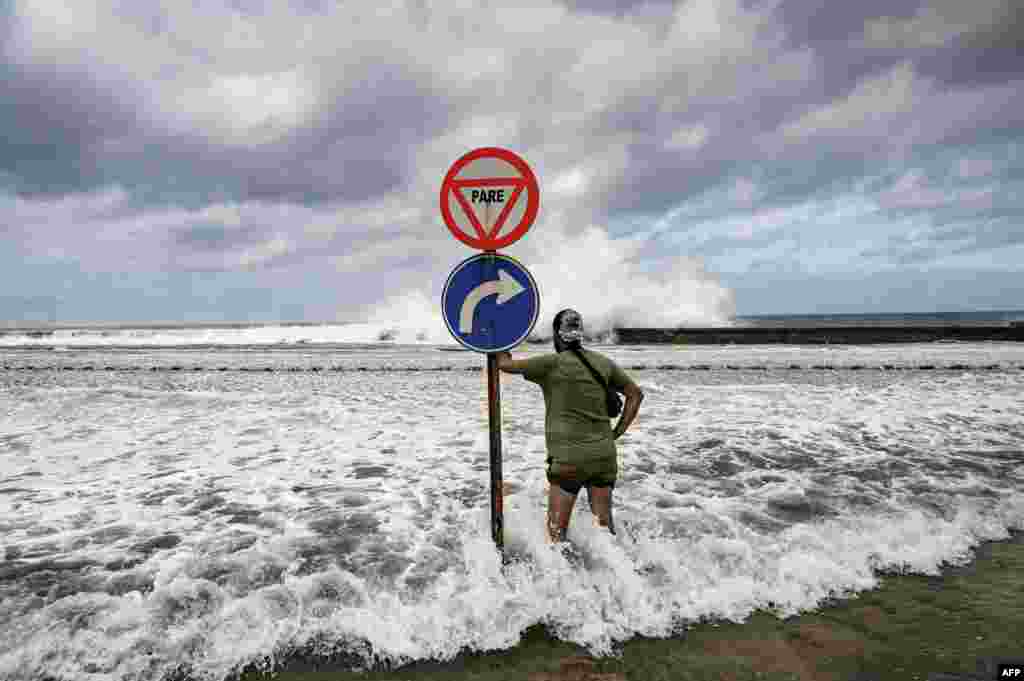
(712, 147)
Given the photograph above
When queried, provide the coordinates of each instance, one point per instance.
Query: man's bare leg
(560, 504)
(601, 506)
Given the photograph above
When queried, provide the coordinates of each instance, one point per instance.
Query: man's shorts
(572, 478)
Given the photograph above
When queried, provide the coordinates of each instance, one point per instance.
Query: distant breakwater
(831, 334)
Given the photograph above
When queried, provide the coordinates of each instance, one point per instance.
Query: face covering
(569, 331)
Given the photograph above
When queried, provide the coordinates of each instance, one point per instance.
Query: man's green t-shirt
(576, 422)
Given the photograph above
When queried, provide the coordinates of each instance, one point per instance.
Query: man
(580, 441)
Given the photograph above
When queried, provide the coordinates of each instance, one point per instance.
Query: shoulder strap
(598, 377)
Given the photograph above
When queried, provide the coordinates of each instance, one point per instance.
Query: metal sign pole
(494, 419)
(494, 426)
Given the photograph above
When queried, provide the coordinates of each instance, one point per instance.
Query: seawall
(860, 333)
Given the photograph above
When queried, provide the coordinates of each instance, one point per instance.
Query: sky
(697, 160)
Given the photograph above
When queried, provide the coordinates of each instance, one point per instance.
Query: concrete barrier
(823, 334)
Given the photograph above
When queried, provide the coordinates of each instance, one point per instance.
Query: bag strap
(598, 377)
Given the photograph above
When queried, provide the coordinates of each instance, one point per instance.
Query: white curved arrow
(506, 286)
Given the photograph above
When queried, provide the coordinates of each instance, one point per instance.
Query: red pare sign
(489, 198)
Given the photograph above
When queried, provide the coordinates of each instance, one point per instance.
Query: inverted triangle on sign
(478, 199)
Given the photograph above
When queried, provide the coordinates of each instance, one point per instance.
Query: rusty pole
(494, 426)
(494, 422)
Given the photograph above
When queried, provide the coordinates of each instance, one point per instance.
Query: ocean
(196, 499)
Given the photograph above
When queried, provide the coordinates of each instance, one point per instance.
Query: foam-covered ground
(153, 521)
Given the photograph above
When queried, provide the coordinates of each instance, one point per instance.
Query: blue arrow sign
(490, 302)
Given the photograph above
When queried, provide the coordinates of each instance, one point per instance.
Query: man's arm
(634, 396)
(509, 365)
